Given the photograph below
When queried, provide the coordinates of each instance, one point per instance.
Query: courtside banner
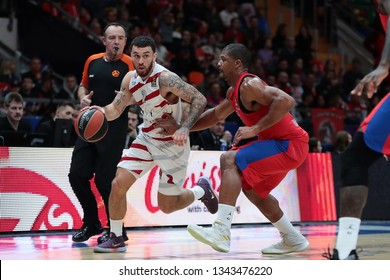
(142, 209)
(35, 194)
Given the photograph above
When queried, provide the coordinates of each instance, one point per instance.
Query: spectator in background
(35, 71)
(290, 53)
(315, 145)
(296, 87)
(211, 49)
(233, 33)
(163, 55)
(303, 41)
(96, 27)
(254, 36)
(212, 17)
(46, 93)
(211, 138)
(246, 12)
(283, 83)
(320, 101)
(28, 91)
(279, 39)
(124, 19)
(27, 87)
(267, 55)
(132, 126)
(84, 15)
(13, 121)
(64, 111)
(69, 88)
(303, 112)
(228, 13)
(110, 15)
(341, 141)
(256, 67)
(351, 78)
(76, 111)
(167, 26)
(214, 96)
(8, 74)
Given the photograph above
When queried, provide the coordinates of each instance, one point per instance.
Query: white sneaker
(290, 243)
(217, 236)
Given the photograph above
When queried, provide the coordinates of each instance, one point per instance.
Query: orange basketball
(91, 125)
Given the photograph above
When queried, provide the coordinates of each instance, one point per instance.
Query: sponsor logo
(48, 206)
(115, 73)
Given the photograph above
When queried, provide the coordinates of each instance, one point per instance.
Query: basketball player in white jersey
(159, 93)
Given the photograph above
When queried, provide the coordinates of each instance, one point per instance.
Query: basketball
(91, 125)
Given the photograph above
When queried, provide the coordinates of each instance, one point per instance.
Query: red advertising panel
(326, 122)
(316, 188)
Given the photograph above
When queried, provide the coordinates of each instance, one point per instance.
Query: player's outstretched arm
(369, 84)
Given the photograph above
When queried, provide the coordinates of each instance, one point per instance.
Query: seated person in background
(13, 103)
(342, 140)
(65, 112)
(69, 88)
(315, 145)
(212, 138)
(132, 126)
(76, 111)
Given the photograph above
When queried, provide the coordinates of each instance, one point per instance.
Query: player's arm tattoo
(121, 99)
(169, 81)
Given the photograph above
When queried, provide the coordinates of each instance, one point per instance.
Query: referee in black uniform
(102, 76)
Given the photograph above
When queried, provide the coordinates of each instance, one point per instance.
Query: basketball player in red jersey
(370, 142)
(258, 167)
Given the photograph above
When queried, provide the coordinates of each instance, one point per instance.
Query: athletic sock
(347, 236)
(225, 214)
(116, 227)
(198, 192)
(285, 226)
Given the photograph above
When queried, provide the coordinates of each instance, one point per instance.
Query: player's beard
(145, 72)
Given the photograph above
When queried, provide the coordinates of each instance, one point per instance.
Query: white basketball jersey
(153, 105)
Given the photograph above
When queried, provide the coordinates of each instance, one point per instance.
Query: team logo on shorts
(115, 73)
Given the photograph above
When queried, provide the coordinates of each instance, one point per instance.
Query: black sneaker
(113, 245)
(352, 255)
(106, 236)
(209, 199)
(86, 232)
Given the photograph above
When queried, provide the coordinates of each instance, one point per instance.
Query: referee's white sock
(347, 236)
(116, 227)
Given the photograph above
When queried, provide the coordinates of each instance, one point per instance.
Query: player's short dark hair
(143, 42)
(240, 52)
